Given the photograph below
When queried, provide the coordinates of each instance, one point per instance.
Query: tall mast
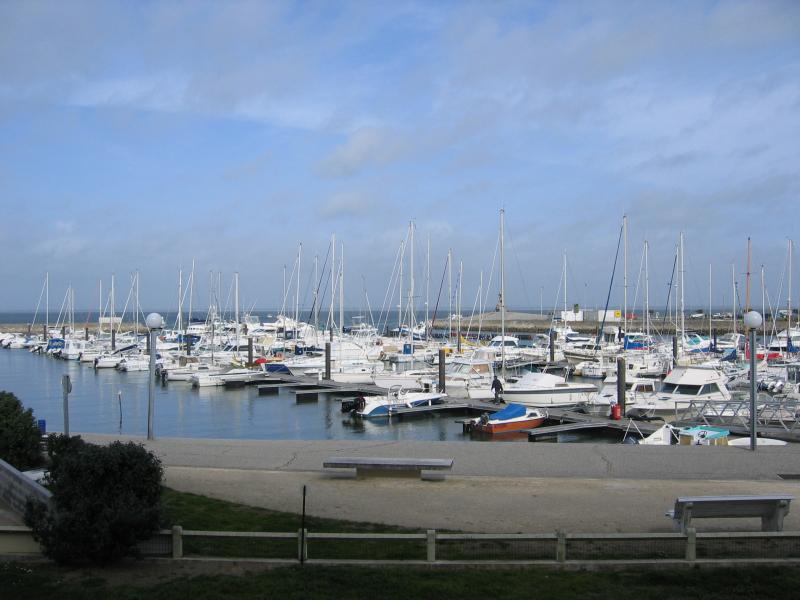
(733, 283)
(747, 291)
(297, 293)
(412, 317)
(180, 299)
(764, 308)
(683, 298)
(334, 275)
(428, 286)
(341, 293)
(316, 291)
(709, 301)
(646, 291)
(136, 316)
(191, 296)
(503, 292)
(47, 305)
(100, 312)
(564, 277)
(625, 275)
(400, 306)
(112, 302)
(460, 297)
(789, 303)
(449, 295)
(236, 308)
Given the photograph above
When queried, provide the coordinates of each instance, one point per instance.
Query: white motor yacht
(547, 390)
(682, 386)
(394, 401)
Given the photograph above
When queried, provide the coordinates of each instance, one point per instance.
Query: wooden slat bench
(392, 466)
(772, 508)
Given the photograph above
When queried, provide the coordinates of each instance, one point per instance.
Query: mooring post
(64, 332)
(45, 333)
(250, 351)
(621, 383)
(714, 348)
(442, 383)
(552, 346)
(113, 338)
(86, 334)
(327, 360)
(675, 347)
(29, 329)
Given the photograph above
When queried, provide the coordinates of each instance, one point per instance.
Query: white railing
(473, 548)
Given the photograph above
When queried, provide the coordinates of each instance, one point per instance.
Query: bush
(19, 434)
(106, 499)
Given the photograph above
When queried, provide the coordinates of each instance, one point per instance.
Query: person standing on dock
(497, 388)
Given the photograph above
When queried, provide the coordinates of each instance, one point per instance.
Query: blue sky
(142, 135)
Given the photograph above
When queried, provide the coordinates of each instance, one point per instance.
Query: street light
(155, 323)
(752, 321)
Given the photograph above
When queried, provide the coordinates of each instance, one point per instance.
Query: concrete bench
(392, 467)
(771, 508)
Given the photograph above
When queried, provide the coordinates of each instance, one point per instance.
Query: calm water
(183, 411)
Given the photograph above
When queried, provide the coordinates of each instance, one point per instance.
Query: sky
(148, 135)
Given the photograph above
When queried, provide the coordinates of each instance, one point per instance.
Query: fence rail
(470, 548)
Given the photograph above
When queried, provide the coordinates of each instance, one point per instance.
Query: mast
(316, 294)
(427, 286)
(564, 276)
(764, 309)
(503, 293)
(683, 298)
(400, 287)
(112, 303)
(236, 308)
(624, 276)
(333, 282)
(191, 295)
(180, 299)
(136, 317)
(449, 295)
(297, 294)
(747, 290)
(646, 291)
(341, 295)
(460, 297)
(789, 303)
(47, 305)
(733, 283)
(709, 302)
(412, 317)
(100, 312)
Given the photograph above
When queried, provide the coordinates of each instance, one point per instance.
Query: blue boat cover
(512, 411)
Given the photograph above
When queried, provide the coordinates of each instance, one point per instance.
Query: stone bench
(427, 468)
(771, 508)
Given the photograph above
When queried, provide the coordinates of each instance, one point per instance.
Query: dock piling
(621, 383)
(442, 385)
(327, 361)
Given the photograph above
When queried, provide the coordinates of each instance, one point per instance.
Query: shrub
(106, 499)
(19, 434)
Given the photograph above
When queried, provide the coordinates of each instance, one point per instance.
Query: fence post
(561, 545)
(302, 545)
(431, 545)
(691, 544)
(177, 541)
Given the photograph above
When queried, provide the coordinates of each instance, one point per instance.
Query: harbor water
(112, 402)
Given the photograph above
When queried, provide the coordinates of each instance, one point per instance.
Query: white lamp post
(752, 321)
(155, 323)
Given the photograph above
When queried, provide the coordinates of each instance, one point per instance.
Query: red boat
(513, 417)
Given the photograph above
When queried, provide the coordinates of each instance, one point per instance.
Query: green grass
(200, 513)
(403, 583)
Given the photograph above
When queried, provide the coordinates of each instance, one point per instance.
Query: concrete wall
(16, 488)
(18, 541)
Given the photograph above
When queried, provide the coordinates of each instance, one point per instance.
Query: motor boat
(394, 401)
(682, 386)
(547, 390)
(513, 417)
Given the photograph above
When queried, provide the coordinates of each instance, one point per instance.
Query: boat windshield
(681, 388)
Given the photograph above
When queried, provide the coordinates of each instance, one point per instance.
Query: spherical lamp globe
(752, 319)
(154, 321)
